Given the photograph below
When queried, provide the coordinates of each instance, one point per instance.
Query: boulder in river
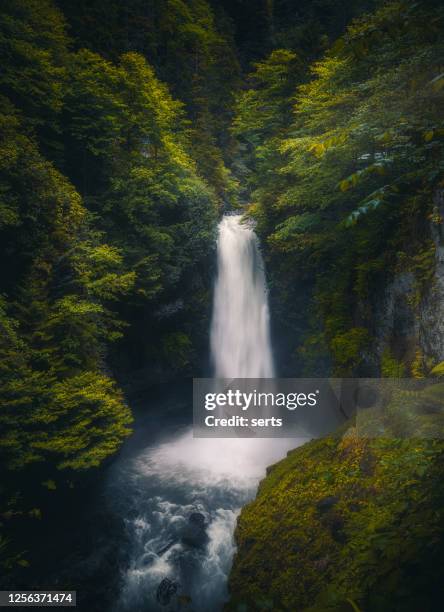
(166, 590)
(198, 519)
(194, 533)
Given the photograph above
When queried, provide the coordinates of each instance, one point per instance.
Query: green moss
(391, 367)
(344, 523)
(417, 367)
(348, 349)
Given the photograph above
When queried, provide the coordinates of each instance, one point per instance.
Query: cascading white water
(240, 329)
(178, 475)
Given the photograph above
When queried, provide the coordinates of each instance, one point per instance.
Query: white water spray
(240, 330)
(171, 479)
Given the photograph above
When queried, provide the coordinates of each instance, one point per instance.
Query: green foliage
(417, 367)
(106, 227)
(263, 110)
(340, 524)
(188, 48)
(56, 281)
(83, 407)
(391, 367)
(176, 348)
(141, 182)
(344, 184)
(125, 145)
(34, 45)
(438, 370)
(266, 106)
(348, 347)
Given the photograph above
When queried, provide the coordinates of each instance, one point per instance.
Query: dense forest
(127, 129)
(345, 178)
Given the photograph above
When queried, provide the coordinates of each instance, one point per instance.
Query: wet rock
(194, 533)
(198, 519)
(166, 590)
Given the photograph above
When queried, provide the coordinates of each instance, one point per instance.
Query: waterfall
(240, 328)
(175, 476)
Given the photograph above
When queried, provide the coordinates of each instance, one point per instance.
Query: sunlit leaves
(365, 135)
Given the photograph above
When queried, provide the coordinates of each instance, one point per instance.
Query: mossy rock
(345, 524)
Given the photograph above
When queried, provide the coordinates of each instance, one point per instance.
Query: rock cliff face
(396, 324)
(431, 323)
(409, 319)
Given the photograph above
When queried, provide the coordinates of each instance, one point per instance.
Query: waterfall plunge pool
(158, 487)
